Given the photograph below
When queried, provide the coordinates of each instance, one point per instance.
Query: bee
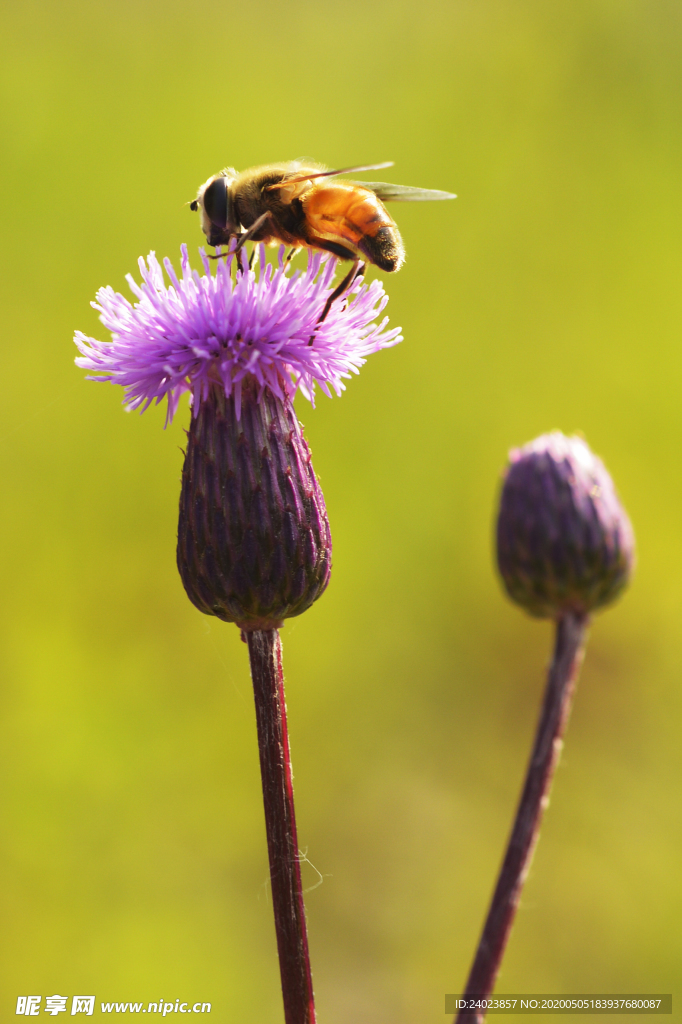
(294, 203)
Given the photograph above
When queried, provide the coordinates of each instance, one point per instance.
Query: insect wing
(404, 193)
(361, 167)
(308, 175)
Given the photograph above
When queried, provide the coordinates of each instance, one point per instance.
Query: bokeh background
(133, 861)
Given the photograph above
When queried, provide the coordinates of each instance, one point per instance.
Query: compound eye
(215, 202)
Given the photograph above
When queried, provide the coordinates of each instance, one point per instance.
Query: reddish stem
(556, 706)
(265, 652)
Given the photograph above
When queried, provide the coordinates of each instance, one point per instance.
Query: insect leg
(349, 280)
(245, 236)
(219, 255)
(292, 253)
(356, 271)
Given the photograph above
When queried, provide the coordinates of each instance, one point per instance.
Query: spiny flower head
(564, 541)
(207, 328)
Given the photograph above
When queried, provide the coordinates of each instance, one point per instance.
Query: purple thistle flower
(207, 328)
(564, 541)
(254, 544)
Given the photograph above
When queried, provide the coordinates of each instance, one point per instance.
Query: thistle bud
(564, 541)
(254, 545)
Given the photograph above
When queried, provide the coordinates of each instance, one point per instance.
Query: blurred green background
(133, 857)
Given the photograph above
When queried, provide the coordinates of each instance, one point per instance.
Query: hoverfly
(295, 204)
(292, 203)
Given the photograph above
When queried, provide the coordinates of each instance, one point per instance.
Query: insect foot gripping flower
(565, 548)
(564, 542)
(254, 545)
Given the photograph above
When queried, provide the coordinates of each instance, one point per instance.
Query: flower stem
(265, 652)
(556, 706)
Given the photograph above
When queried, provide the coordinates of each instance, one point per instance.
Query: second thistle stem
(265, 652)
(556, 706)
